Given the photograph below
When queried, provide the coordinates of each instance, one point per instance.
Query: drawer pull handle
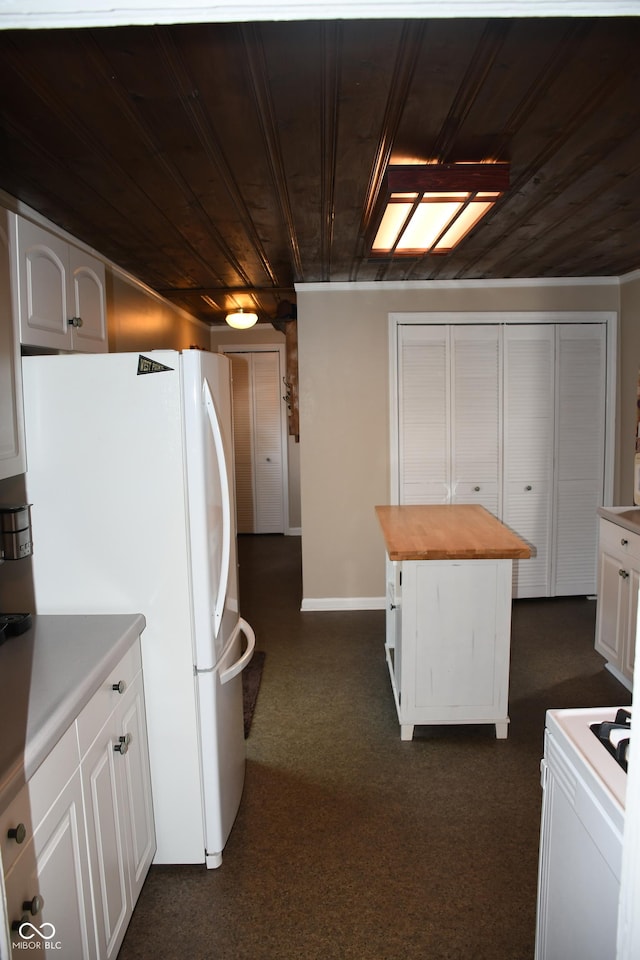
(18, 833)
(624, 542)
(119, 687)
(624, 574)
(123, 744)
(33, 906)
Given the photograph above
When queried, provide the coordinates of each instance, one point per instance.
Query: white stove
(584, 792)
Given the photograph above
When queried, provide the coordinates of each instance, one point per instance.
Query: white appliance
(130, 477)
(583, 809)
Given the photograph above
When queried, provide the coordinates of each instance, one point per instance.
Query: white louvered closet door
(529, 409)
(476, 421)
(579, 455)
(259, 459)
(423, 414)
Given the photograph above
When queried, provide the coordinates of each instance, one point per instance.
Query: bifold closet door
(476, 415)
(259, 459)
(424, 414)
(579, 455)
(529, 410)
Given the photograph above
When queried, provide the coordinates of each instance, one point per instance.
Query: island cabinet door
(456, 630)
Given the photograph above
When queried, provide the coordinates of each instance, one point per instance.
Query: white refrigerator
(130, 477)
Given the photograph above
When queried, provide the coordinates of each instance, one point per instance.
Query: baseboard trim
(316, 604)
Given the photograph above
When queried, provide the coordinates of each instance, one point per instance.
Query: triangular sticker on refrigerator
(146, 365)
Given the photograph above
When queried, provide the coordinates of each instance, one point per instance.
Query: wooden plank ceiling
(229, 161)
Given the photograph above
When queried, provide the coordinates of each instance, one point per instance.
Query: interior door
(258, 440)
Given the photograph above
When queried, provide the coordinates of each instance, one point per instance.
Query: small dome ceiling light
(241, 320)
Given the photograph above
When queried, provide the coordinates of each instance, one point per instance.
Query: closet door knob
(17, 833)
(33, 906)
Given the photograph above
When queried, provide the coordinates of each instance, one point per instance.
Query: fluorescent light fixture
(241, 320)
(430, 207)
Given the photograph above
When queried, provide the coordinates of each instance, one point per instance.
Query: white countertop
(627, 517)
(47, 676)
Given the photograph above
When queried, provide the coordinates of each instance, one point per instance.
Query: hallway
(350, 844)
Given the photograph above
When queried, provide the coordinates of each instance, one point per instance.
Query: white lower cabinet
(78, 840)
(117, 800)
(47, 883)
(618, 584)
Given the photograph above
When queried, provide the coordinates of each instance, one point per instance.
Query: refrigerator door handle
(241, 662)
(226, 504)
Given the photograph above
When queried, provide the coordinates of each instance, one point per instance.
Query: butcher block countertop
(461, 531)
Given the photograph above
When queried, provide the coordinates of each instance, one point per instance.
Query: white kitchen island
(448, 630)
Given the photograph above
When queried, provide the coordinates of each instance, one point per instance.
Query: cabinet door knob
(528, 487)
(18, 833)
(624, 542)
(476, 489)
(123, 744)
(33, 906)
(119, 687)
(75, 321)
(624, 574)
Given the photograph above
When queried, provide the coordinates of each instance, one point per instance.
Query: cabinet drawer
(31, 805)
(107, 698)
(618, 540)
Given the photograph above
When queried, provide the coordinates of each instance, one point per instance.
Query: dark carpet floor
(351, 844)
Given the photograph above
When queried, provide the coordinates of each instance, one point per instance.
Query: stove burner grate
(615, 735)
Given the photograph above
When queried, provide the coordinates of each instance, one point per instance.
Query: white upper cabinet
(12, 449)
(61, 292)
